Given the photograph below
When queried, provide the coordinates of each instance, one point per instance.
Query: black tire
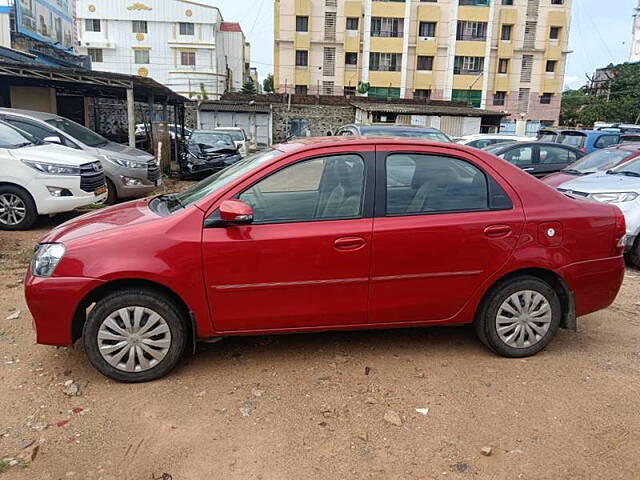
(634, 254)
(135, 297)
(31, 211)
(112, 193)
(485, 323)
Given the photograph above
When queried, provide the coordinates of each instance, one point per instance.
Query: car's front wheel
(17, 209)
(135, 335)
(519, 317)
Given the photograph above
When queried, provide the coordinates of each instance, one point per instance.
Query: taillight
(621, 231)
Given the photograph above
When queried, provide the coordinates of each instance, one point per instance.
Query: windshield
(631, 167)
(576, 141)
(547, 137)
(11, 137)
(237, 135)
(381, 132)
(77, 131)
(225, 176)
(600, 160)
(212, 139)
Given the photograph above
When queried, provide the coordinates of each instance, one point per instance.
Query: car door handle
(495, 231)
(530, 169)
(349, 243)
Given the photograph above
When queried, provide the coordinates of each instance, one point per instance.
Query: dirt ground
(325, 406)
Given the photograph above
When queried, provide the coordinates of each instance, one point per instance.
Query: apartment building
(496, 54)
(182, 44)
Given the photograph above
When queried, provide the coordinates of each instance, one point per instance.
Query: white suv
(38, 178)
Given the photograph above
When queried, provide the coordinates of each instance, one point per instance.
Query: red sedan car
(598, 161)
(327, 234)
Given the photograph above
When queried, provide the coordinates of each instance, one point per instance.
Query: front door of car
(524, 157)
(304, 261)
(443, 225)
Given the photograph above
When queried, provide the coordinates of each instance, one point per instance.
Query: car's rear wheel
(135, 335)
(634, 254)
(17, 209)
(519, 317)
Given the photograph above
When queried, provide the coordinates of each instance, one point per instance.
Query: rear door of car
(444, 222)
(553, 158)
(522, 156)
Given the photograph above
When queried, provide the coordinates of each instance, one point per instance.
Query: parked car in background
(314, 236)
(207, 151)
(432, 134)
(239, 136)
(130, 172)
(174, 130)
(619, 186)
(39, 178)
(483, 140)
(584, 140)
(627, 138)
(537, 158)
(598, 161)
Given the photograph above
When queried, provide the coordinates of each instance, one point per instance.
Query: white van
(39, 178)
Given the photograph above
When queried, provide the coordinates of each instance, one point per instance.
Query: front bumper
(53, 302)
(48, 204)
(146, 183)
(193, 165)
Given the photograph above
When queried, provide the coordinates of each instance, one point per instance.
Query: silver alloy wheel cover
(523, 319)
(134, 339)
(12, 209)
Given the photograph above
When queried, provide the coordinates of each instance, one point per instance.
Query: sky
(600, 34)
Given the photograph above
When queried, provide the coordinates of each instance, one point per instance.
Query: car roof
(399, 128)
(29, 113)
(307, 143)
(228, 128)
(508, 146)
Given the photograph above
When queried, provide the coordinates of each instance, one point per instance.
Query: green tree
(249, 87)
(267, 84)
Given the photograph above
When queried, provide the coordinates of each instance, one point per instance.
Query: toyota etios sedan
(327, 234)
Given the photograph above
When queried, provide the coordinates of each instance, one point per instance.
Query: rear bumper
(594, 283)
(53, 302)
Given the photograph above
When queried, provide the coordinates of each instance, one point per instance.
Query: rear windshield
(600, 160)
(235, 134)
(382, 132)
(576, 141)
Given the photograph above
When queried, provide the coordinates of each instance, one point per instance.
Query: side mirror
(236, 212)
(53, 139)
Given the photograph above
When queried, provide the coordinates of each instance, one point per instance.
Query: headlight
(125, 163)
(618, 197)
(46, 258)
(52, 168)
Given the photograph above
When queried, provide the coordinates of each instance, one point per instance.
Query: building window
(387, 27)
(427, 29)
(554, 33)
(92, 25)
(302, 24)
(472, 31)
(302, 58)
(425, 63)
(141, 56)
(474, 97)
(468, 65)
(139, 26)
(422, 93)
(499, 98)
(507, 2)
(351, 58)
(352, 23)
(186, 28)
(301, 90)
(188, 59)
(557, 2)
(383, 92)
(545, 98)
(349, 91)
(475, 3)
(551, 66)
(95, 54)
(507, 30)
(385, 62)
(503, 65)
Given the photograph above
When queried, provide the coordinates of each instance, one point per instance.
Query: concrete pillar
(521, 127)
(131, 117)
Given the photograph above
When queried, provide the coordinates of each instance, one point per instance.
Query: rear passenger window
(419, 183)
(556, 155)
(606, 141)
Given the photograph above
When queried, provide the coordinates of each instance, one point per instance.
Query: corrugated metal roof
(213, 106)
(230, 27)
(426, 109)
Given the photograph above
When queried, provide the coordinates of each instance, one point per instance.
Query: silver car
(130, 172)
(620, 187)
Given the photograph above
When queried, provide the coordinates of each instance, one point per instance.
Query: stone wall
(320, 120)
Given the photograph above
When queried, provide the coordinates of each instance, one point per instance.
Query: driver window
(317, 189)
